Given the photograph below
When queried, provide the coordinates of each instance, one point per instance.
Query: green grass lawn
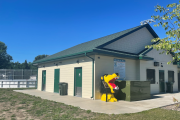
(14, 106)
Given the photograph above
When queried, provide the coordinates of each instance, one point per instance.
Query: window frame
(173, 76)
(154, 81)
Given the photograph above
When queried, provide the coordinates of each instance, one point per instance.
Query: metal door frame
(54, 77)
(164, 82)
(178, 80)
(75, 79)
(42, 82)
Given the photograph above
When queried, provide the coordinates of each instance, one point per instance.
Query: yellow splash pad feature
(110, 97)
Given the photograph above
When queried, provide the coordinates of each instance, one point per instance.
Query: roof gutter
(92, 74)
(121, 55)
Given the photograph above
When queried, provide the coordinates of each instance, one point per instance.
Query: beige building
(124, 52)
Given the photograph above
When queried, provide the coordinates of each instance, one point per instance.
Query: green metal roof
(97, 43)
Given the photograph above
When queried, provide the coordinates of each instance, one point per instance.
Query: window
(170, 76)
(150, 75)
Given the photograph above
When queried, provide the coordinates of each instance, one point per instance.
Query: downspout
(92, 75)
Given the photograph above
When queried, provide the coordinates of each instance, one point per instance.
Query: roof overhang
(121, 55)
(80, 54)
(94, 52)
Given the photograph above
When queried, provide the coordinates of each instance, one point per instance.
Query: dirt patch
(172, 107)
(19, 106)
(9, 112)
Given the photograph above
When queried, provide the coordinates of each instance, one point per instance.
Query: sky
(34, 27)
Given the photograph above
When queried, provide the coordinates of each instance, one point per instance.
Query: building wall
(133, 43)
(67, 75)
(135, 70)
(105, 65)
(161, 58)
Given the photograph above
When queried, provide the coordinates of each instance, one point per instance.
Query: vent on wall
(156, 63)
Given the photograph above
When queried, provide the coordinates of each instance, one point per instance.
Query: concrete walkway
(99, 106)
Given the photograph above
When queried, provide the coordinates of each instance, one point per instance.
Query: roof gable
(132, 43)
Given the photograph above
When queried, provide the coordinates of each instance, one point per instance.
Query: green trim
(147, 58)
(92, 75)
(118, 54)
(145, 51)
(125, 54)
(115, 54)
(42, 80)
(53, 59)
(140, 56)
(119, 51)
(151, 31)
(74, 80)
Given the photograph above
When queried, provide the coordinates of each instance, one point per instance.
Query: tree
(25, 65)
(17, 65)
(40, 57)
(5, 59)
(31, 66)
(170, 21)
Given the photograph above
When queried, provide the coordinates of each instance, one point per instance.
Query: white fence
(18, 83)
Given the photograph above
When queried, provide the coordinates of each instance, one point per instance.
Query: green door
(161, 81)
(78, 82)
(43, 80)
(56, 80)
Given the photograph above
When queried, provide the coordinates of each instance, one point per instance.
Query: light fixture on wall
(57, 64)
(161, 65)
(77, 61)
(44, 66)
(98, 57)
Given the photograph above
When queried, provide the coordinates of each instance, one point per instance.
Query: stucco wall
(133, 43)
(105, 65)
(161, 58)
(67, 75)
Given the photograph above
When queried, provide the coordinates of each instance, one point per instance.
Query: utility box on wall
(133, 90)
(156, 63)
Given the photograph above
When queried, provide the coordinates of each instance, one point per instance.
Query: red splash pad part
(111, 82)
(113, 85)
